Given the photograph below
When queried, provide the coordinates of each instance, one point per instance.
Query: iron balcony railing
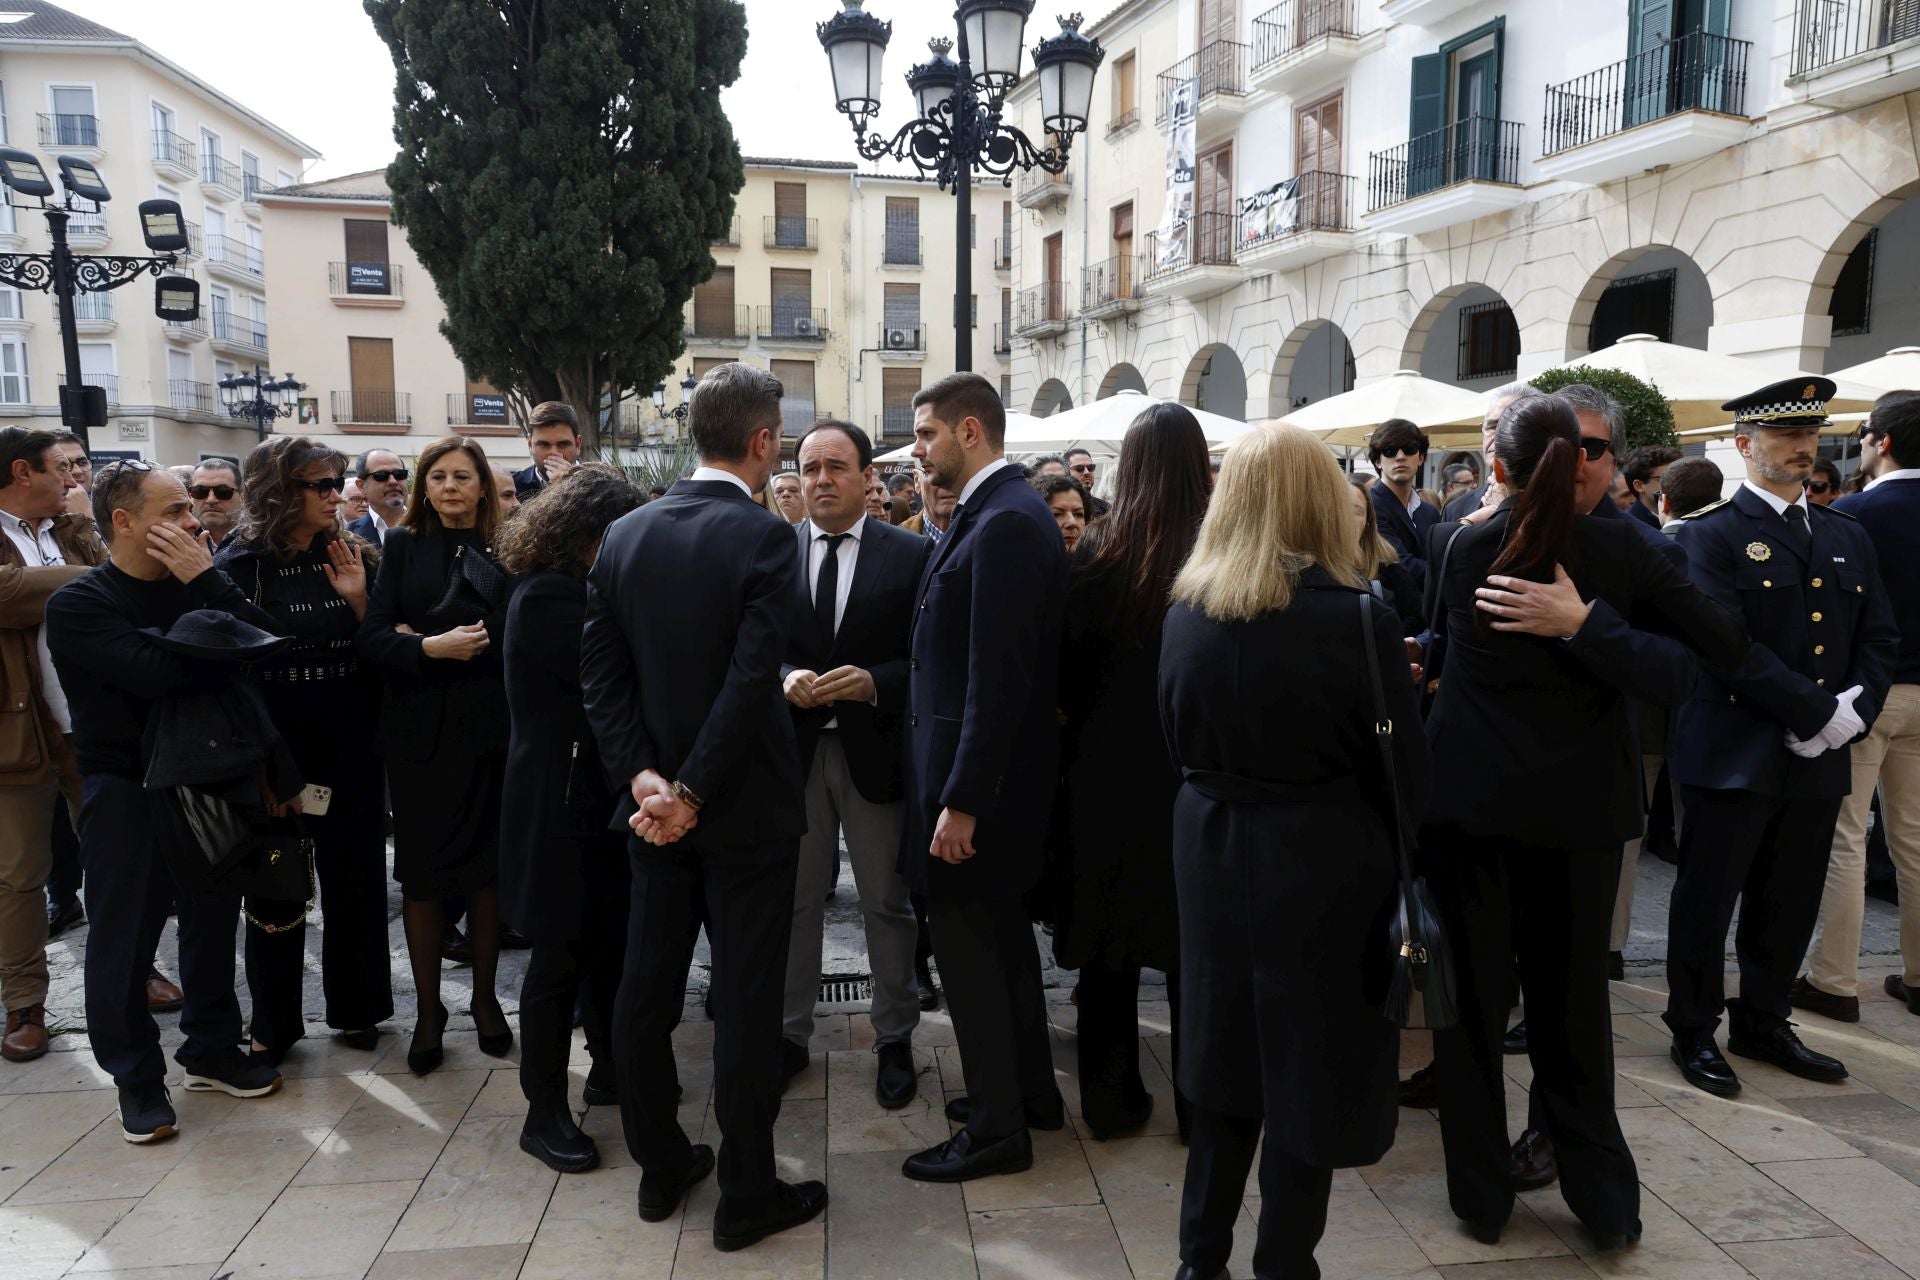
(894, 426)
(903, 251)
(228, 327)
(190, 397)
(786, 322)
(1830, 31)
(217, 172)
(174, 149)
(731, 239)
(1477, 149)
(1002, 255)
(81, 225)
(903, 337)
(1294, 24)
(1036, 181)
(107, 382)
(1697, 72)
(792, 233)
(364, 279)
(1320, 202)
(1208, 239)
(373, 408)
(1043, 304)
(69, 131)
(717, 322)
(461, 409)
(1002, 340)
(1115, 280)
(90, 308)
(1216, 68)
(235, 253)
(195, 245)
(1124, 121)
(251, 185)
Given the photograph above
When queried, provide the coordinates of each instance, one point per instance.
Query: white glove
(1844, 727)
(1806, 750)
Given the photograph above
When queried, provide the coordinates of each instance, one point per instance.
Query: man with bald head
(1497, 401)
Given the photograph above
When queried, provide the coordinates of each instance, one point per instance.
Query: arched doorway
(1657, 290)
(1466, 336)
(1316, 361)
(1216, 381)
(1873, 305)
(1052, 398)
(1122, 377)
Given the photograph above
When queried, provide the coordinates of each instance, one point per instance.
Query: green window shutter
(1499, 64)
(1649, 61)
(1426, 144)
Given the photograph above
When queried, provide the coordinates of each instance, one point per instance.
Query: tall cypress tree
(564, 166)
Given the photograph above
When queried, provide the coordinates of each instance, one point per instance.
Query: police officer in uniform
(1761, 752)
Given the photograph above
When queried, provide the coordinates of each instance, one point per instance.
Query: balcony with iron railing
(1452, 175)
(787, 322)
(903, 341)
(483, 409)
(1111, 288)
(175, 156)
(186, 331)
(1306, 219)
(239, 335)
(711, 323)
(1123, 121)
(793, 233)
(70, 133)
(1670, 105)
(196, 244)
(235, 259)
(88, 230)
(219, 180)
(1042, 310)
(186, 396)
(1038, 188)
(107, 382)
(1196, 259)
(1002, 254)
(1217, 74)
(92, 312)
(251, 185)
(901, 249)
(1304, 47)
(365, 284)
(372, 409)
(1002, 340)
(1827, 33)
(730, 239)
(894, 426)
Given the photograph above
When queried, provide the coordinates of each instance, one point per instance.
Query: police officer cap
(1793, 402)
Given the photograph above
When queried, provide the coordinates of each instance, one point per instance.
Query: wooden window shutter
(789, 200)
(366, 240)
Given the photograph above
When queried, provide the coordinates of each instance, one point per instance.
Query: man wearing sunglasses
(215, 490)
(384, 482)
(1398, 450)
(1081, 466)
(1823, 486)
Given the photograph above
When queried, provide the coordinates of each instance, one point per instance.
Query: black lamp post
(679, 412)
(64, 273)
(959, 129)
(257, 397)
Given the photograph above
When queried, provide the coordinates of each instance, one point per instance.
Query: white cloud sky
(316, 69)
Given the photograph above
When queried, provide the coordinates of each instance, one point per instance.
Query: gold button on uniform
(1816, 582)
(1819, 681)
(1766, 582)
(1816, 617)
(1819, 649)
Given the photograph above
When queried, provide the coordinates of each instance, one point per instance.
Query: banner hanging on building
(1175, 221)
(1270, 213)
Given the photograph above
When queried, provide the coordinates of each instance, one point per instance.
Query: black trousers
(990, 969)
(1548, 911)
(1108, 1043)
(1770, 853)
(586, 971)
(128, 893)
(1293, 1200)
(63, 885)
(745, 898)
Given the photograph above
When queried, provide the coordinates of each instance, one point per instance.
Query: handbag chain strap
(1383, 739)
(313, 896)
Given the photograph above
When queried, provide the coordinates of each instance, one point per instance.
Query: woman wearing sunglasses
(1536, 787)
(290, 558)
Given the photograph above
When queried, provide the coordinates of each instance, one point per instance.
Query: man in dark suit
(689, 608)
(982, 759)
(1643, 469)
(1889, 756)
(845, 676)
(1398, 450)
(1497, 401)
(1761, 750)
(384, 480)
(553, 442)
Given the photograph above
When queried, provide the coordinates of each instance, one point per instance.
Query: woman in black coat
(1114, 814)
(1387, 578)
(564, 881)
(433, 627)
(1536, 787)
(1283, 852)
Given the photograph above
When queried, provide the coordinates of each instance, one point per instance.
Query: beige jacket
(32, 748)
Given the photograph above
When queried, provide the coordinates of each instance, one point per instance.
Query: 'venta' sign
(367, 277)
(486, 408)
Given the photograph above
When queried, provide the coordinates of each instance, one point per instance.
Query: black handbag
(475, 588)
(275, 879)
(225, 849)
(1421, 991)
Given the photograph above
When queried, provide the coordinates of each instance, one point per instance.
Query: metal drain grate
(845, 989)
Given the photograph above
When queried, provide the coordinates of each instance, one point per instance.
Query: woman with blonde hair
(1283, 853)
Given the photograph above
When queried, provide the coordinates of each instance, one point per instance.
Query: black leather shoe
(1783, 1049)
(1532, 1163)
(495, 1044)
(793, 1060)
(1703, 1067)
(1050, 1115)
(1516, 1039)
(603, 1089)
(62, 917)
(1420, 1090)
(1616, 967)
(959, 1160)
(423, 1058)
(1612, 1241)
(898, 1080)
(929, 994)
(791, 1204)
(1804, 995)
(657, 1204)
(1188, 1272)
(1896, 986)
(551, 1137)
(1485, 1232)
(1112, 1121)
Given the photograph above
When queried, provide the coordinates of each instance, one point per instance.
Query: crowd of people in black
(1179, 725)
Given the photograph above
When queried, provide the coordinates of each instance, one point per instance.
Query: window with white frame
(250, 182)
(13, 371)
(11, 305)
(256, 254)
(98, 368)
(72, 120)
(220, 302)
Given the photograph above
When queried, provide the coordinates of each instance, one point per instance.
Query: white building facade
(1474, 190)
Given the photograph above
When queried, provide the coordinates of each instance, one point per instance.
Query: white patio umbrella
(1350, 417)
(1898, 370)
(1015, 422)
(1098, 426)
(1696, 383)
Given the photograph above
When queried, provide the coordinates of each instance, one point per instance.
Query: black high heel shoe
(500, 1043)
(421, 1061)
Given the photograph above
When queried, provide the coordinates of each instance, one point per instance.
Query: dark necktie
(826, 588)
(1797, 525)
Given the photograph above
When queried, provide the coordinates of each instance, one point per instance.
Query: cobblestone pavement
(358, 1169)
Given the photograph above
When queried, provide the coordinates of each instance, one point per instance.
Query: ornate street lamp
(960, 129)
(257, 397)
(679, 412)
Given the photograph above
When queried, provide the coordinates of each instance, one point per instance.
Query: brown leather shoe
(1531, 1162)
(26, 1037)
(162, 996)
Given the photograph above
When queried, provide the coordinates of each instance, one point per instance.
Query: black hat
(1794, 402)
(209, 633)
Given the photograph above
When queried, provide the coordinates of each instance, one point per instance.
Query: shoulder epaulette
(1711, 506)
(1846, 515)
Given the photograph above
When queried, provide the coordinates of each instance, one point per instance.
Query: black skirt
(446, 814)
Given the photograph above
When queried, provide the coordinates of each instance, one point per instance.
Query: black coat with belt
(983, 730)
(1522, 723)
(873, 634)
(557, 855)
(689, 609)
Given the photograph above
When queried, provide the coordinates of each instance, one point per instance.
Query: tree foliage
(1649, 416)
(564, 166)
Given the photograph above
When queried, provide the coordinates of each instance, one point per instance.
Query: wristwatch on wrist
(683, 793)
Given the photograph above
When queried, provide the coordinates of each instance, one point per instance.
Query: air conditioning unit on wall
(803, 327)
(903, 339)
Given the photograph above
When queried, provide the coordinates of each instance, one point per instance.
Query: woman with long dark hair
(1536, 787)
(433, 626)
(290, 558)
(563, 875)
(1116, 800)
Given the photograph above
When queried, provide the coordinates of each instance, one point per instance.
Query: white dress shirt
(715, 473)
(38, 550)
(379, 526)
(1904, 473)
(1778, 503)
(974, 484)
